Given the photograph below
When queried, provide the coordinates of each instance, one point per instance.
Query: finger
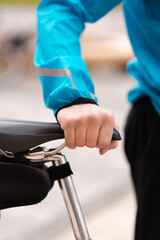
(80, 136)
(105, 136)
(92, 137)
(70, 137)
(113, 145)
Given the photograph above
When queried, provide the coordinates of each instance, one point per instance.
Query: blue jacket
(63, 72)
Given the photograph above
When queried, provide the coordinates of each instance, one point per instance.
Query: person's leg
(142, 146)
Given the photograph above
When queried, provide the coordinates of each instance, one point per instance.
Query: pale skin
(88, 125)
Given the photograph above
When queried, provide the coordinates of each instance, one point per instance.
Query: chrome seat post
(72, 203)
(67, 187)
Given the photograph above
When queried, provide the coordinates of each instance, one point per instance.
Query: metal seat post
(72, 203)
(68, 190)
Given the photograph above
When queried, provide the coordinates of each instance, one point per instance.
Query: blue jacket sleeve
(62, 71)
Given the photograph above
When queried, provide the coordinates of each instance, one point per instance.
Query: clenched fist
(88, 125)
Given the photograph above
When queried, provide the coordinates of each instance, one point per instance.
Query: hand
(88, 125)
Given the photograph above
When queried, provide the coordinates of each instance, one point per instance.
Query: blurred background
(103, 183)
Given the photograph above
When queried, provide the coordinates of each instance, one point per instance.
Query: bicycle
(19, 154)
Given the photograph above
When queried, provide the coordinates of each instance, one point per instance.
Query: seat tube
(72, 203)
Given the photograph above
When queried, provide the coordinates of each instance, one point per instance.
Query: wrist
(77, 101)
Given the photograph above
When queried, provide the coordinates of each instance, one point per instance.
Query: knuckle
(80, 144)
(70, 144)
(80, 122)
(69, 123)
(94, 119)
(108, 117)
(91, 144)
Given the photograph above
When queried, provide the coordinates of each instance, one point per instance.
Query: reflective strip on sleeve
(54, 72)
(59, 72)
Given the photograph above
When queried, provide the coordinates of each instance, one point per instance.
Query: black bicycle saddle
(18, 136)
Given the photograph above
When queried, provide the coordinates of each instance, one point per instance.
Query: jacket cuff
(77, 101)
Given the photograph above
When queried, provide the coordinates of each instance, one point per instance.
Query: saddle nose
(19, 136)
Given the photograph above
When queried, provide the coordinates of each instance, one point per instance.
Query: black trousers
(142, 147)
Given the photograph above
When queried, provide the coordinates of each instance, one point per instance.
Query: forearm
(62, 71)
